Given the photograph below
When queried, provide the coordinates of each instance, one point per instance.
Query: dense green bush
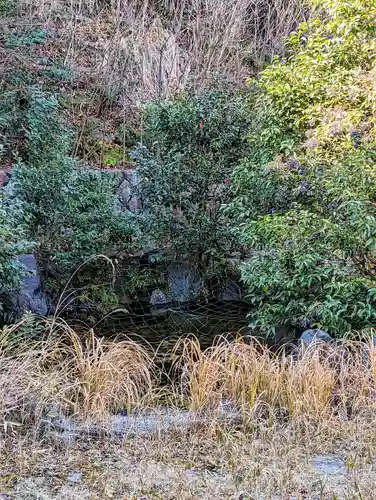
(6, 7)
(13, 236)
(12, 243)
(190, 147)
(305, 196)
(72, 213)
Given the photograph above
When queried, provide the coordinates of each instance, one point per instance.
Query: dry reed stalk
(316, 383)
(91, 377)
(147, 48)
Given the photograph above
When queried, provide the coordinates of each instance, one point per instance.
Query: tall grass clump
(227, 371)
(81, 375)
(154, 48)
(27, 387)
(317, 384)
(89, 378)
(107, 375)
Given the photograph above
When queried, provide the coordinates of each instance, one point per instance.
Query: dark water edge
(161, 328)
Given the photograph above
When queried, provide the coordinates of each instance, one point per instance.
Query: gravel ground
(212, 461)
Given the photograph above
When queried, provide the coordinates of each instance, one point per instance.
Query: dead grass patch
(156, 47)
(90, 376)
(293, 408)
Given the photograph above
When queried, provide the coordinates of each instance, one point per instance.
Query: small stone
(159, 298)
(52, 412)
(328, 465)
(65, 438)
(74, 477)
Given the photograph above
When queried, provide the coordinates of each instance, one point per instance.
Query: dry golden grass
(315, 383)
(107, 375)
(229, 465)
(88, 375)
(228, 371)
(150, 48)
(81, 375)
(290, 408)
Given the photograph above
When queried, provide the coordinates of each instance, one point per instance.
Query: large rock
(4, 177)
(313, 336)
(231, 292)
(7, 184)
(184, 281)
(30, 297)
(129, 191)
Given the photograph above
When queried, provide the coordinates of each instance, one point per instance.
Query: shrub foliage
(190, 147)
(305, 197)
(287, 171)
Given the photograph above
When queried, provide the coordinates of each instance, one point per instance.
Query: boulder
(314, 335)
(128, 192)
(184, 281)
(159, 299)
(30, 296)
(231, 292)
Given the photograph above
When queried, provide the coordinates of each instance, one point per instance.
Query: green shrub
(305, 197)
(12, 243)
(31, 36)
(190, 147)
(7, 7)
(72, 213)
(13, 240)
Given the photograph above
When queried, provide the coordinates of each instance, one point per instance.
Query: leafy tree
(305, 196)
(190, 147)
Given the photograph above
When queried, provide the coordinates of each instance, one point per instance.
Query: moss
(112, 155)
